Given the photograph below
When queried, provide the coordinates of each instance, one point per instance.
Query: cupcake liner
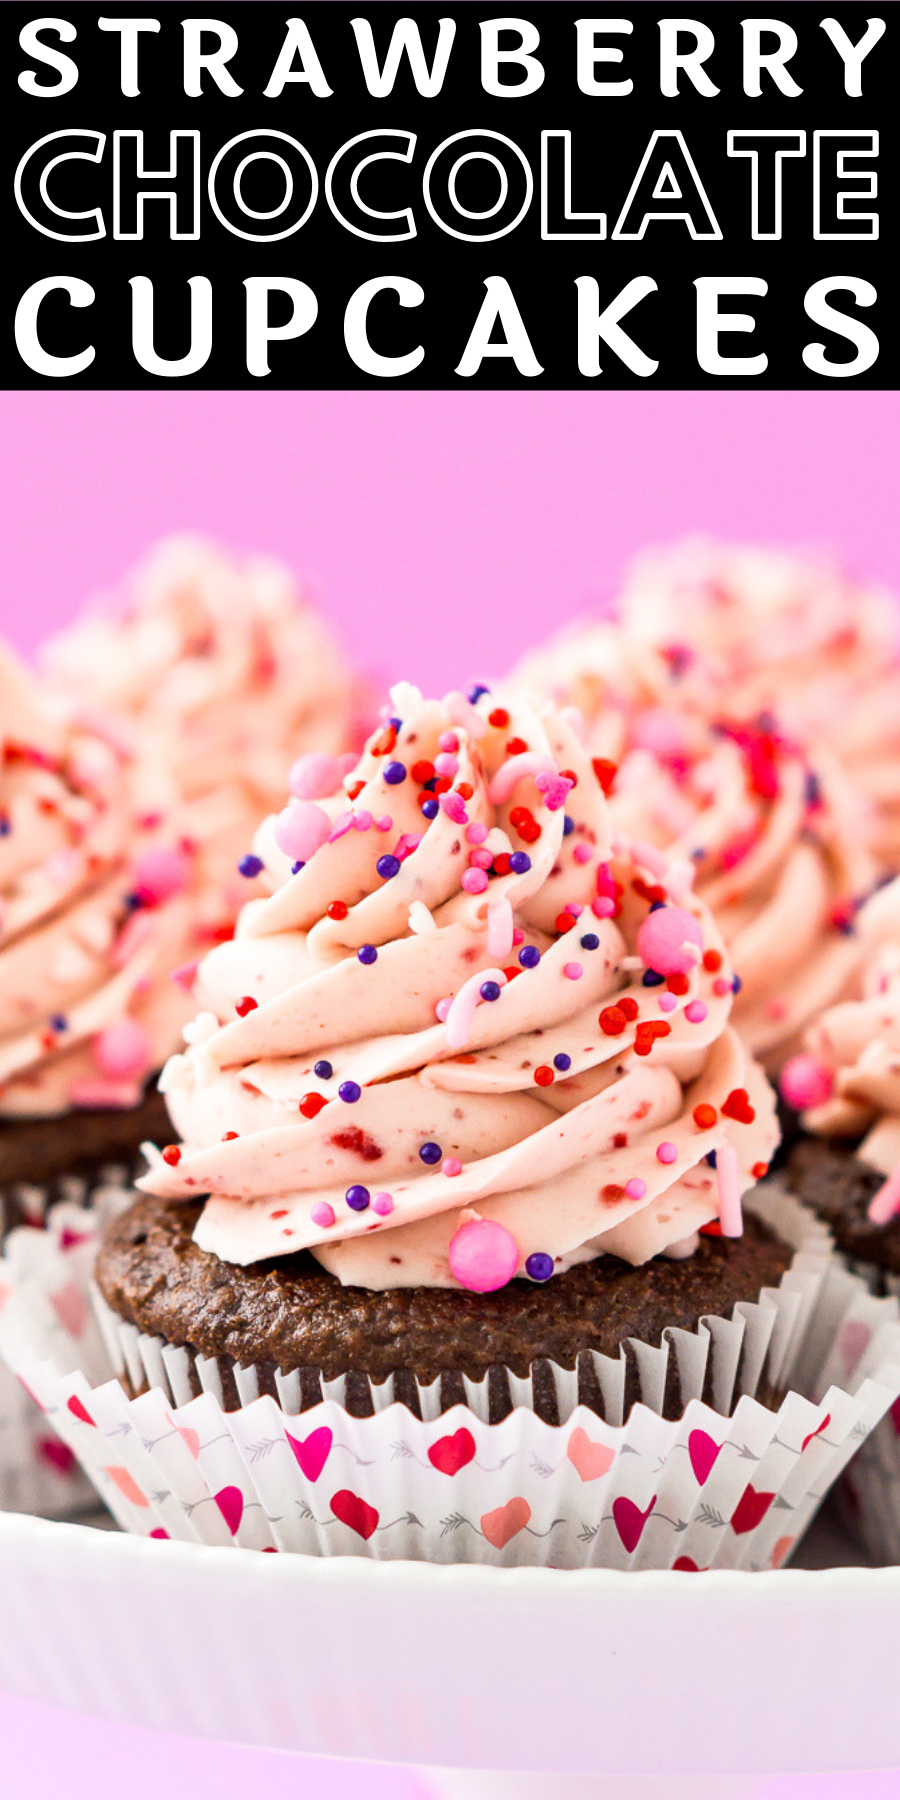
(705, 1490)
(868, 1496)
(56, 1234)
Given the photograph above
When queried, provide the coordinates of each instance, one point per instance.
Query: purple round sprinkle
(568, 825)
(394, 773)
(562, 1062)
(711, 1158)
(736, 984)
(323, 1069)
(58, 1021)
(490, 990)
(520, 862)
(367, 953)
(430, 1153)
(430, 809)
(358, 1198)
(388, 866)
(657, 905)
(250, 865)
(475, 693)
(539, 1266)
(590, 941)
(530, 956)
(349, 1091)
(296, 867)
(651, 979)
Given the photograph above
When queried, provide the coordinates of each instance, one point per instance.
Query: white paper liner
(707, 1491)
(39, 1472)
(868, 1495)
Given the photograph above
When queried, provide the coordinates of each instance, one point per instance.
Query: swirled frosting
(96, 909)
(226, 674)
(856, 1046)
(471, 1017)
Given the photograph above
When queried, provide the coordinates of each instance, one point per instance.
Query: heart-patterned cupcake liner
(868, 1495)
(723, 1486)
(39, 1472)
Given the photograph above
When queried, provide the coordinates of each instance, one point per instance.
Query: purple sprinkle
(475, 693)
(539, 1266)
(394, 773)
(490, 990)
(250, 865)
(562, 1062)
(388, 866)
(430, 809)
(520, 862)
(323, 1069)
(530, 956)
(58, 1021)
(367, 953)
(430, 1153)
(358, 1198)
(349, 1091)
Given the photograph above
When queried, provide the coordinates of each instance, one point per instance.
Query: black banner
(446, 196)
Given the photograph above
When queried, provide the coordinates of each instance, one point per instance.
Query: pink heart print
(358, 1514)
(630, 1521)
(78, 1410)
(780, 1550)
(450, 1454)
(72, 1308)
(589, 1459)
(505, 1522)
(57, 1454)
(230, 1502)
(688, 1564)
(127, 1485)
(312, 1452)
(702, 1450)
(817, 1433)
(751, 1509)
(190, 1438)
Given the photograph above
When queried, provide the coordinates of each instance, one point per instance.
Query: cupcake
(225, 674)
(464, 1133)
(772, 833)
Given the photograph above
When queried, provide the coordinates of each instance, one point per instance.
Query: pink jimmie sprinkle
(500, 932)
(667, 1002)
(474, 881)
(508, 776)
(452, 805)
(573, 971)
(635, 1188)
(322, 1214)
(886, 1203)
(184, 975)
(461, 1012)
(554, 789)
(582, 853)
(362, 821)
(451, 1165)
(666, 1153)
(695, 1013)
(483, 1256)
(383, 1204)
(730, 1216)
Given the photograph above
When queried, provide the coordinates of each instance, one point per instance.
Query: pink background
(441, 532)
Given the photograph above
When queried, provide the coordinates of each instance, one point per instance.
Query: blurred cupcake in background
(226, 674)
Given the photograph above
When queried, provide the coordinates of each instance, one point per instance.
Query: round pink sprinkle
(721, 986)
(483, 1256)
(805, 1081)
(301, 828)
(451, 1165)
(668, 939)
(314, 776)
(475, 834)
(442, 1008)
(446, 765)
(448, 742)
(575, 908)
(474, 881)
(518, 936)
(480, 859)
(382, 1205)
(362, 820)
(160, 873)
(666, 1153)
(582, 853)
(122, 1050)
(384, 823)
(696, 1012)
(322, 1214)
(603, 908)
(667, 1002)
(635, 1188)
(573, 971)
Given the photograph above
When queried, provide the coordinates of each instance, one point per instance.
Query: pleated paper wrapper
(39, 1472)
(869, 1493)
(732, 1483)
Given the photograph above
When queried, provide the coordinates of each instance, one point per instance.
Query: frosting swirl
(849, 1083)
(96, 909)
(470, 1036)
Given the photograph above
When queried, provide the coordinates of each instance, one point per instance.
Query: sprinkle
(543, 1075)
(429, 807)
(314, 776)
(394, 773)
(489, 990)
(721, 986)
(121, 1050)
(605, 772)
(172, 1155)
(357, 1197)
(250, 866)
(349, 1091)
(362, 821)
(430, 1152)
(573, 971)
(568, 828)
(442, 1009)
(564, 921)
(476, 834)
(712, 961)
(483, 1255)
(530, 956)
(475, 693)
(613, 1021)
(499, 718)
(323, 1069)
(388, 867)
(296, 867)
(886, 1203)
(229, 1136)
(462, 1008)
(590, 941)
(562, 1062)
(59, 1022)
(446, 765)
(729, 1183)
(500, 929)
(474, 881)
(805, 1082)
(737, 1106)
(628, 1005)
(669, 940)
(322, 1214)
(312, 1104)
(508, 776)
(480, 859)
(667, 1003)
(448, 744)
(367, 953)
(337, 909)
(603, 907)
(158, 874)
(704, 1116)
(245, 1006)
(302, 828)
(422, 772)
(539, 1265)
(383, 1204)
(451, 1165)
(520, 862)
(695, 1013)
(666, 1153)
(454, 808)
(635, 1188)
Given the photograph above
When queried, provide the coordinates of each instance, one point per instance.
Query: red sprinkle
(312, 1104)
(704, 1116)
(516, 746)
(356, 789)
(385, 742)
(543, 1075)
(678, 984)
(759, 1171)
(465, 790)
(712, 961)
(227, 1136)
(282, 1213)
(172, 1155)
(337, 909)
(564, 921)
(605, 772)
(713, 1229)
(613, 1021)
(648, 892)
(501, 864)
(628, 1005)
(569, 775)
(245, 1006)
(422, 771)
(499, 717)
(737, 1106)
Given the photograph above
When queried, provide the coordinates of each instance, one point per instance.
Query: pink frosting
(855, 1046)
(359, 1044)
(96, 907)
